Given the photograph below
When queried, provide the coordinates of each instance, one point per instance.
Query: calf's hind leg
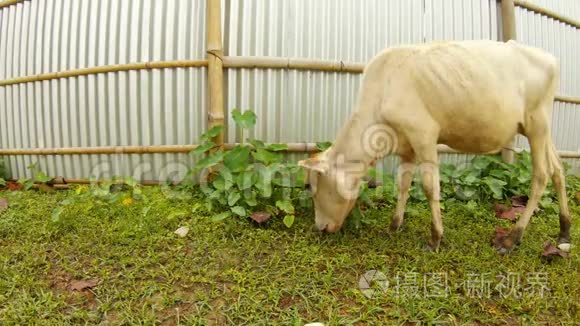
(538, 136)
(559, 182)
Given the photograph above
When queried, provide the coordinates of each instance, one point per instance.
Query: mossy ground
(234, 272)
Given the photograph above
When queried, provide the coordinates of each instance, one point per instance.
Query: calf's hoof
(432, 246)
(506, 243)
(394, 227)
(562, 240)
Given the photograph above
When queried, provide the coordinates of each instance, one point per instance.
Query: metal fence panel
(153, 107)
(168, 106)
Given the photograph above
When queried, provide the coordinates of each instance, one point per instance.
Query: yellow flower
(127, 201)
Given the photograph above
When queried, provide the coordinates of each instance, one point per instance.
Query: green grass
(238, 273)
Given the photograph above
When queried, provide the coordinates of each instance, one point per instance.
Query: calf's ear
(314, 164)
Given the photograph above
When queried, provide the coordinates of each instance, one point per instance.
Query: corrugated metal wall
(295, 106)
(568, 8)
(163, 107)
(563, 41)
(155, 107)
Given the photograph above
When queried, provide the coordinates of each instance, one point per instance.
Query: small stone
(314, 324)
(565, 247)
(182, 231)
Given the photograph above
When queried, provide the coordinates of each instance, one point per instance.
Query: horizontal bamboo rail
(105, 69)
(166, 149)
(293, 63)
(229, 62)
(546, 12)
(160, 149)
(7, 3)
(567, 99)
(99, 150)
(62, 183)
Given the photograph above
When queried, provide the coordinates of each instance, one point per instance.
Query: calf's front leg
(430, 180)
(404, 180)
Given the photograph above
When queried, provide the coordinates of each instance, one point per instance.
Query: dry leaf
(500, 234)
(260, 217)
(3, 204)
(519, 201)
(577, 197)
(13, 186)
(80, 285)
(551, 251)
(508, 213)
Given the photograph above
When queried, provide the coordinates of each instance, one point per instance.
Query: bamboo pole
(100, 150)
(161, 149)
(292, 63)
(105, 69)
(228, 62)
(216, 112)
(567, 99)
(508, 23)
(7, 3)
(546, 12)
(164, 149)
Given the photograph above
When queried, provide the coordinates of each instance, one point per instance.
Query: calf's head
(335, 187)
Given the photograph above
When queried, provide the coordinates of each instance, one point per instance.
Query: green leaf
(26, 183)
(56, 213)
(246, 180)
(2, 182)
(498, 173)
(322, 146)
(220, 217)
(237, 159)
(213, 132)
(251, 200)
(203, 148)
(286, 206)
(244, 120)
(257, 143)
(219, 183)
(233, 198)
(471, 178)
(277, 147)
(481, 162)
(42, 177)
(266, 157)
(496, 186)
(546, 202)
(239, 210)
(471, 205)
(466, 193)
(209, 205)
(210, 160)
(215, 194)
(288, 220)
(226, 174)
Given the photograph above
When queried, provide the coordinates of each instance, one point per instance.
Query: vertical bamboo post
(215, 67)
(508, 23)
